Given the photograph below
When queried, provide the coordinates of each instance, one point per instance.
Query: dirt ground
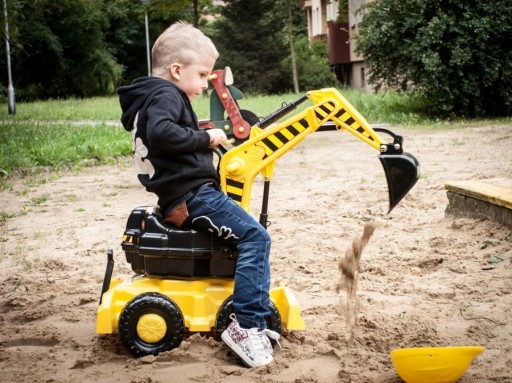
(426, 279)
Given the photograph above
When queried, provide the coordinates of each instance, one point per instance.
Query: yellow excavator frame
(242, 164)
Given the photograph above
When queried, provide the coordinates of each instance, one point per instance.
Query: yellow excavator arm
(269, 141)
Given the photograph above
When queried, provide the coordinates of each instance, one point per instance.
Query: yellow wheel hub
(151, 328)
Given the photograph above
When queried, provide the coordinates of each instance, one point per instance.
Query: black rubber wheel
(151, 323)
(226, 309)
(251, 118)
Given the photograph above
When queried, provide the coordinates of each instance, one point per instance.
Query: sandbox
(489, 199)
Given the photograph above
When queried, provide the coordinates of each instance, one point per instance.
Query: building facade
(325, 23)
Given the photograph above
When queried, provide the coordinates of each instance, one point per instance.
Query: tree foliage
(314, 71)
(455, 53)
(83, 48)
(249, 37)
(58, 49)
(253, 38)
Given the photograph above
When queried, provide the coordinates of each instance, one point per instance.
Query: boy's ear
(175, 69)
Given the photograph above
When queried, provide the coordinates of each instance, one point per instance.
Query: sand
(423, 279)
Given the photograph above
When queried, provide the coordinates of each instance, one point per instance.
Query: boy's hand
(217, 137)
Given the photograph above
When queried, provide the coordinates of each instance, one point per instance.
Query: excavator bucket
(401, 174)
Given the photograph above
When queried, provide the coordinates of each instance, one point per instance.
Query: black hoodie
(170, 151)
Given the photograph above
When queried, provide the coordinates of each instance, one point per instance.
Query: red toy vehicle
(225, 113)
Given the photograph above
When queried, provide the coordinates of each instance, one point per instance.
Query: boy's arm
(172, 127)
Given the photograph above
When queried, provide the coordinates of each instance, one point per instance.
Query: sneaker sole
(237, 350)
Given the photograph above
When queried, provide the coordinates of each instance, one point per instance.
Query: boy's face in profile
(192, 78)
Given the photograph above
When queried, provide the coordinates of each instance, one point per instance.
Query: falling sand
(349, 267)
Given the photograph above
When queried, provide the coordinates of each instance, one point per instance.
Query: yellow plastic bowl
(433, 364)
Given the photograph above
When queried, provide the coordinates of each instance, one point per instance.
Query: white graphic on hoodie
(140, 151)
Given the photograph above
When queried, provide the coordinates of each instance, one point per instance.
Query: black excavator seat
(158, 249)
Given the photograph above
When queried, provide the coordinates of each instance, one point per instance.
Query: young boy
(174, 160)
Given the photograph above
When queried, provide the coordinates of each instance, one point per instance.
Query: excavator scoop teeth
(401, 175)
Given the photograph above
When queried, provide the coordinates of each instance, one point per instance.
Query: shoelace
(271, 334)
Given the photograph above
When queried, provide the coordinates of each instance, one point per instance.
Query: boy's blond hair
(181, 43)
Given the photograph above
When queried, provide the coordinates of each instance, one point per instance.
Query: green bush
(455, 53)
(313, 68)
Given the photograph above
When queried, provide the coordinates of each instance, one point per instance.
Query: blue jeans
(210, 209)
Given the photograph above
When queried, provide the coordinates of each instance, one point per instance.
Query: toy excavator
(184, 279)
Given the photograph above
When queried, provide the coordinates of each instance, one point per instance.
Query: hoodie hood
(133, 97)
(170, 150)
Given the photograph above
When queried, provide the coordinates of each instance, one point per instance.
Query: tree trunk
(292, 49)
(196, 14)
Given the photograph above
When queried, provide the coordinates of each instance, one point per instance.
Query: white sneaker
(251, 345)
